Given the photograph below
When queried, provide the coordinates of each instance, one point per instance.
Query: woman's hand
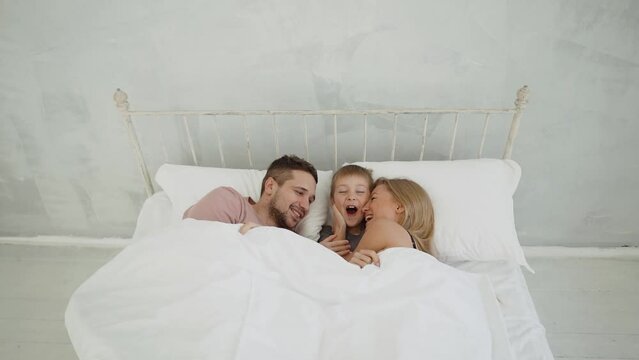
(364, 257)
(342, 247)
(248, 226)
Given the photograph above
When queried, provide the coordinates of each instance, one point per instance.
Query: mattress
(526, 334)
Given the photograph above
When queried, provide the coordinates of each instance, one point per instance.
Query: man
(288, 189)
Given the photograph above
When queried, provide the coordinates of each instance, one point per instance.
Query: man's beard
(278, 216)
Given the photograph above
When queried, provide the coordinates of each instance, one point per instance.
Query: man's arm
(222, 204)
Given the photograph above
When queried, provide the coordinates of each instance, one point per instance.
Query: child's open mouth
(351, 209)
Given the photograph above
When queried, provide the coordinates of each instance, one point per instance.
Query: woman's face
(382, 205)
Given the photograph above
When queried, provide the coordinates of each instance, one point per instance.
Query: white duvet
(201, 290)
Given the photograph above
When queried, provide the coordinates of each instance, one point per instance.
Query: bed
(162, 299)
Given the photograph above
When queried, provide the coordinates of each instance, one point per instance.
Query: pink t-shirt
(223, 204)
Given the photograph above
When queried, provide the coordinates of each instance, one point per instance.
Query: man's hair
(352, 170)
(281, 169)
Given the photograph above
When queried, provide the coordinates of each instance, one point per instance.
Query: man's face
(291, 201)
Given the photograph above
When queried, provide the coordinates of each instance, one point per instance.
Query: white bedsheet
(527, 336)
(156, 214)
(199, 290)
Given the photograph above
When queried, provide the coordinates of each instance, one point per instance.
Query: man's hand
(342, 247)
(364, 257)
(248, 226)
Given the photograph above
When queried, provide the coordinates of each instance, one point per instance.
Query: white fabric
(473, 205)
(185, 185)
(156, 213)
(526, 334)
(200, 290)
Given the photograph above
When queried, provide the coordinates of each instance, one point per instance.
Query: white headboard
(395, 115)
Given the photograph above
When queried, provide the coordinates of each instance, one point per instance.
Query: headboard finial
(522, 97)
(121, 100)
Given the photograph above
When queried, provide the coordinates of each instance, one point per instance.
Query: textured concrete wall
(66, 166)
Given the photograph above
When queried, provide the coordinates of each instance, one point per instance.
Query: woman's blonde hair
(418, 217)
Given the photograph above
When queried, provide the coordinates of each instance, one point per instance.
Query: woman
(398, 214)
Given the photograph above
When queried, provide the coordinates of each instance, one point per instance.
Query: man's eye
(299, 192)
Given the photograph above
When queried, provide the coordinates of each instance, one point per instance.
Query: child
(350, 190)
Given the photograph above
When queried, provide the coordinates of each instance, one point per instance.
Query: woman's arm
(380, 234)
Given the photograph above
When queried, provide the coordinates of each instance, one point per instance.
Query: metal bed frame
(121, 100)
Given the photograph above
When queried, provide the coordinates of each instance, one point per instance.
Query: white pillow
(473, 205)
(185, 185)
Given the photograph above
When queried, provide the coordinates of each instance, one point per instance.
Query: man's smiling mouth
(297, 212)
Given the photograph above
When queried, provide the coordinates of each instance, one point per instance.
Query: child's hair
(352, 170)
(418, 217)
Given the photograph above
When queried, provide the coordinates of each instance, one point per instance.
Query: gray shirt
(352, 239)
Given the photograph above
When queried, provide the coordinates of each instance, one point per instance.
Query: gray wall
(66, 166)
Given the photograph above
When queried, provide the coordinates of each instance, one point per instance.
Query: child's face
(350, 195)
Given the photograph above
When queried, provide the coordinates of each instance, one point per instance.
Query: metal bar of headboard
(394, 138)
(335, 140)
(248, 141)
(305, 137)
(365, 136)
(421, 154)
(121, 101)
(219, 142)
(164, 151)
(277, 137)
(190, 139)
(320, 112)
(483, 136)
(454, 137)
(520, 105)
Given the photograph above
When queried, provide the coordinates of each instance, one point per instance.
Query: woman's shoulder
(383, 224)
(387, 233)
